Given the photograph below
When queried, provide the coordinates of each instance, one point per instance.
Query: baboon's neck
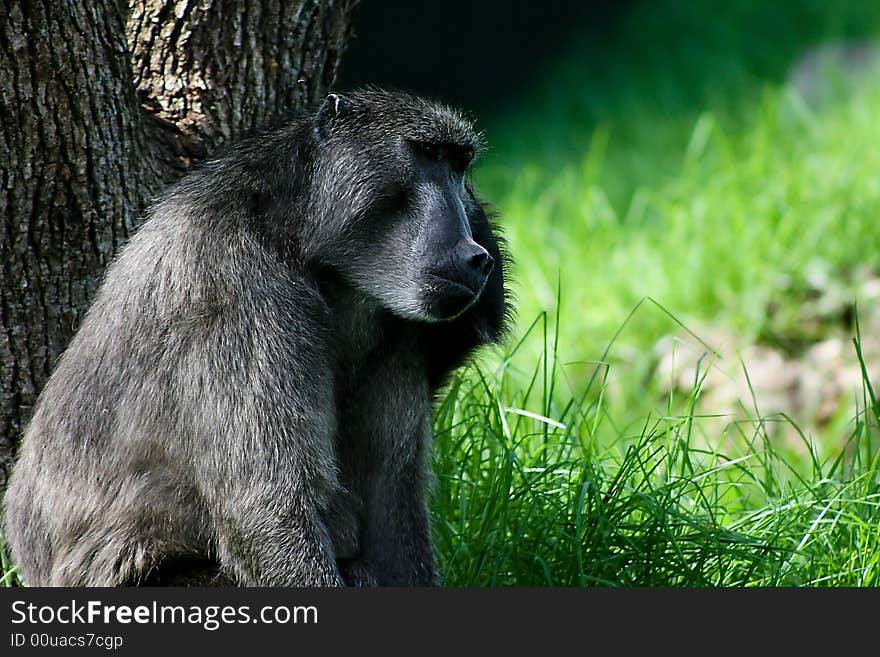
(358, 323)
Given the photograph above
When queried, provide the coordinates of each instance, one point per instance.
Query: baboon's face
(407, 239)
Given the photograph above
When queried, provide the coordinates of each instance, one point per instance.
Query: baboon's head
(398, 218)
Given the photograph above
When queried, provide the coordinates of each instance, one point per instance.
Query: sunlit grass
(696, 177)
(668, 166)
(530, 493)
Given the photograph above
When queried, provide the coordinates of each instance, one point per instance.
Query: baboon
(248, 399)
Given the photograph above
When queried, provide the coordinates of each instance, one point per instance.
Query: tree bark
(100, 105)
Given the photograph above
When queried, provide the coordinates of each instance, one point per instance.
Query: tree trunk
(100, 105)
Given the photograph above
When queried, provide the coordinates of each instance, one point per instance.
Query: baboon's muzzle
(451, 289)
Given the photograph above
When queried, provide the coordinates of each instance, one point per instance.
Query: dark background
(469, 53)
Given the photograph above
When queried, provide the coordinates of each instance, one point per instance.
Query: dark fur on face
(248, 399)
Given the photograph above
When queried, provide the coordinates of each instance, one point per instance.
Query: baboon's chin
(434, 304)
(447, 301)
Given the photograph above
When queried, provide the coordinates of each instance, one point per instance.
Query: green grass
(674, 164)
(663, 175)
(8, 576)
(667, 167)
(531, 494)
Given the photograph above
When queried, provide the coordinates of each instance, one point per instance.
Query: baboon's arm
(397, 544)
(263, 418)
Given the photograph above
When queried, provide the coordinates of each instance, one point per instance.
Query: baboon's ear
(333, 107)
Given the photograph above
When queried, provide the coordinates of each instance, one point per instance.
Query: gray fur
(248, 399)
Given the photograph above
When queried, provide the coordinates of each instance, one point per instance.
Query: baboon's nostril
(482, 262)
(472, 264)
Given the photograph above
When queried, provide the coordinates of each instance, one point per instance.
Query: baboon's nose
(474, 262)
(471, 265)
(482, 262)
